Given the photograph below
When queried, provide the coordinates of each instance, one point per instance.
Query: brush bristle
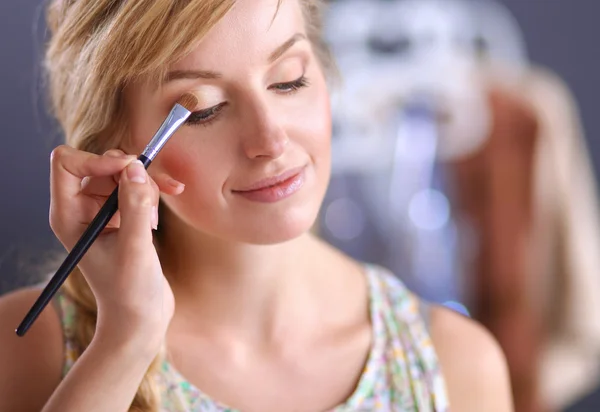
(189, 101)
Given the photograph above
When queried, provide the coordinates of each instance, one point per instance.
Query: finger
(137, 200)
(156, 193)
(98, 186)
(69, 225)
(113, 223)
(118, 153)
(115, 153)
(168, 185)
(69, 166)
(103, 186)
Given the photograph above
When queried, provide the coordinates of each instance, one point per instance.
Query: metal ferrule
(174, 120)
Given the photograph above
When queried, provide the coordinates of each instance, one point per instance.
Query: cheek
(178, 164)
(201, 202)
(315, 125)
(313, 128)
(197, 166)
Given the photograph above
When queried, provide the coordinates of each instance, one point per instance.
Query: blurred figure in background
(463, 167)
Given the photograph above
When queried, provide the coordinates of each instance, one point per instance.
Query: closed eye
(290, 87)
(206, 116)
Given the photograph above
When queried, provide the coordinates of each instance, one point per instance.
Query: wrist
(144, 338)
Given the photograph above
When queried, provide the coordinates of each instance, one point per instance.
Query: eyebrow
(211, 75)
(190, 74)
(285, 46)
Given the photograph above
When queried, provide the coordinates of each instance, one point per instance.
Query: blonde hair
(95, 49)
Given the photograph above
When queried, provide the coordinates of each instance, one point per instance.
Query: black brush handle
(86, 240)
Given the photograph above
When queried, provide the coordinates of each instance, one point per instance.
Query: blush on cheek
(176, 163)
(199, 204)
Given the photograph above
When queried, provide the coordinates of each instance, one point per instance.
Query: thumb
(137, 206)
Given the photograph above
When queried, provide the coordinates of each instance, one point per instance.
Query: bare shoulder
(32, 364)
(472, 362)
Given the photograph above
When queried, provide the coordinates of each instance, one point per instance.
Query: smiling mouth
(274, 189)
(271, 182)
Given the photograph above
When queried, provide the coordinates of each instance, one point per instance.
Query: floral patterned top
(401, 374)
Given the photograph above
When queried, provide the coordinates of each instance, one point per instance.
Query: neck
(235, 289)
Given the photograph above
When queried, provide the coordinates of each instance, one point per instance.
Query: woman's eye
(206, 116)
(290, 87)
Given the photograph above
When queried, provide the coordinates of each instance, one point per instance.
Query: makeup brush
(178, 115)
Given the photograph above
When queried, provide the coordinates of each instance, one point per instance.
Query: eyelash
(207, 116)
(291, 87)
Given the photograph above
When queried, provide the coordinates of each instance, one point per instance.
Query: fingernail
(154, 217)
(174, 183)
(84, 182)
(136, 172)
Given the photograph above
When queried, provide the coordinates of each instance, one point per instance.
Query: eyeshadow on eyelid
(293, 60)
(288, 71)
(207, 97)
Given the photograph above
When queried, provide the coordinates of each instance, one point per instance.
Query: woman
(267, 318)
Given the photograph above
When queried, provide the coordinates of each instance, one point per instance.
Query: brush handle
(86, 240)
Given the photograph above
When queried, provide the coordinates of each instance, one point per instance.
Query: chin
(278, 227)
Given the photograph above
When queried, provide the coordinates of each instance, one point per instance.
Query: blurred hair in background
(459, 161)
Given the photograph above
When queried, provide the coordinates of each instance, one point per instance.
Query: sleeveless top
(401, 374)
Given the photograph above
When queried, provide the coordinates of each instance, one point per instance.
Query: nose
(263, 135)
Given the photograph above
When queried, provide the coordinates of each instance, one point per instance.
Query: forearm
(104, 379)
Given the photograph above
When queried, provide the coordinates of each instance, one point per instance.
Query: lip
(270, 181)
(275, 188)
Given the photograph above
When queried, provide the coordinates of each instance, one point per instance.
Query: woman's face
(255, 154)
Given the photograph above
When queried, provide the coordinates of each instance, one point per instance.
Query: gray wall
(563, 35)
(27, 138)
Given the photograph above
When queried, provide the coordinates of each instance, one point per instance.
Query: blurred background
(465, 159)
